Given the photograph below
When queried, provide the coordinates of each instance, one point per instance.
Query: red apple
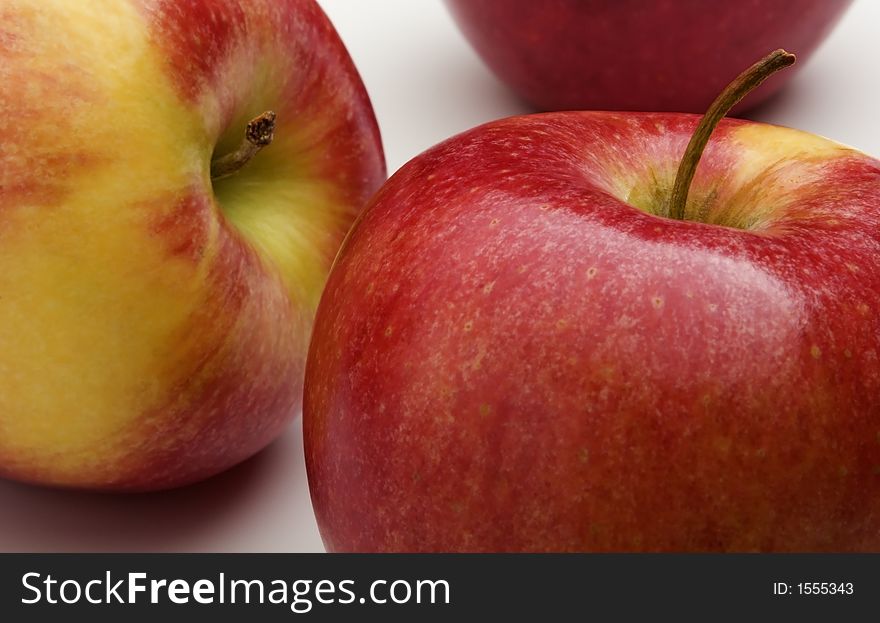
(523, 346)
(157, 289)
(636, 55)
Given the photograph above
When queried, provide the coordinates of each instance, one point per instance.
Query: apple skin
(154, 325)
(633, 55)
(515, 351)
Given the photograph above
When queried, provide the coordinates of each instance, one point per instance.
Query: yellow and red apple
(153, 320)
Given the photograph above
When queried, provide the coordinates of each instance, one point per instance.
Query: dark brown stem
(732, 93)
(259, 133)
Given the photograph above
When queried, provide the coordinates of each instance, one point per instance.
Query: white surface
(426, 84)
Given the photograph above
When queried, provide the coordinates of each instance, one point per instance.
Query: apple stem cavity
(741, 86)
(259, 133)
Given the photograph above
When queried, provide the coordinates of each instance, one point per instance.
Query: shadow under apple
(207, 516)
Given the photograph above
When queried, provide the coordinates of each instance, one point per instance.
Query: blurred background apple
(635, 55)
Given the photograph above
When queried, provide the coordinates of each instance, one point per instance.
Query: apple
(532, 341)
(632, 55)
(158, 276)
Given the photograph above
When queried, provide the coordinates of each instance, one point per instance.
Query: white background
(426, 84)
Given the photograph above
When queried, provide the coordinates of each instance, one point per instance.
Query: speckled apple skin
(511, 356)
(672, 55)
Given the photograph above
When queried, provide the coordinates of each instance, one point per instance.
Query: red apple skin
(509, 357)
(632, 55)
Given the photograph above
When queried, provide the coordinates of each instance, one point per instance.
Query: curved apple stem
(259, 133)
(732, 93)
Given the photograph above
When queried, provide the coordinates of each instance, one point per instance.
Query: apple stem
(732, 93)
(259, 133)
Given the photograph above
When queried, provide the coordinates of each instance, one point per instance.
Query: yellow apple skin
(153, 324)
